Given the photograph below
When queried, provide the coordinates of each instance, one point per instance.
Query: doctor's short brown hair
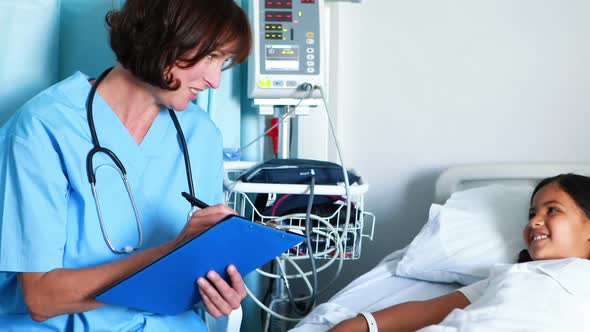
(148, 37)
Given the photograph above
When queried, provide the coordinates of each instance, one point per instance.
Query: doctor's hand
(202, 220)
(219, 297)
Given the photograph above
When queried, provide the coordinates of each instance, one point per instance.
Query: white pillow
(472, 231)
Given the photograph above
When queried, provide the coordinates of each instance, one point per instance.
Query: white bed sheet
(375, 290)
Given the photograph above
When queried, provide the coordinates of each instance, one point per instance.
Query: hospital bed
(481, 191)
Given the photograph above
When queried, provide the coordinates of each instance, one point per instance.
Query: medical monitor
(287, 48)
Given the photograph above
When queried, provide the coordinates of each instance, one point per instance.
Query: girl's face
(557, 227)
(199, 77)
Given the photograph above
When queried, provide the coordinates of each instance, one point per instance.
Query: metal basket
(330, 236)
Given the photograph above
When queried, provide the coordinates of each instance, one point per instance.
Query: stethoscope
(122, 172)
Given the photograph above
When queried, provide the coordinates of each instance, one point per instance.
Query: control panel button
(311, 70)
(310, 63)
(309, 41)
(310, 57)
(278, 83)
(310, 50)
(264, 83)
(291, 84)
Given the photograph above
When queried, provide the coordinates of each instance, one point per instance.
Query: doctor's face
(557, 227)
(203, 75)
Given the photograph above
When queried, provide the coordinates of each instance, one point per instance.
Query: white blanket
(551, 295)
(375, 290)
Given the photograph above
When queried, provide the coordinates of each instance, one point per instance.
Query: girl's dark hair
(150, 36)
(576, 186)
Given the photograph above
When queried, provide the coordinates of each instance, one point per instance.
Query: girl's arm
(408, 316)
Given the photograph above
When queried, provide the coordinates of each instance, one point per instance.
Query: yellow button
(300, 13)
(309, 35)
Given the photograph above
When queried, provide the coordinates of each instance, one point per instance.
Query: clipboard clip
(271, 224)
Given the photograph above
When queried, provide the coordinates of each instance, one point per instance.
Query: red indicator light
(275, 16)
(279, 4)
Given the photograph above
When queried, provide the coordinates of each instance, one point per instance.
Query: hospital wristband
(370, 321)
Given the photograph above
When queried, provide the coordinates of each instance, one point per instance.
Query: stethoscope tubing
(97, 148)
(187, 160)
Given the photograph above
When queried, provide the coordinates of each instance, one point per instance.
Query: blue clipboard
(167, 286)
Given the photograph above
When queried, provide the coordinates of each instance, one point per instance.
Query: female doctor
(69, 225)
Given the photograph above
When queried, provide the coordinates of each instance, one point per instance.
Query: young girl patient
(551, 292)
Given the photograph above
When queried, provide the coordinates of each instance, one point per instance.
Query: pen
(194, 201)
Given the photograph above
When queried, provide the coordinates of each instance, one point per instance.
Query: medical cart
(333, 240)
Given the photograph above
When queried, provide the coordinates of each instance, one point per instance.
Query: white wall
(422, 85)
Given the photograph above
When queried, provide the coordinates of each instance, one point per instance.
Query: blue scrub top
(48, 218)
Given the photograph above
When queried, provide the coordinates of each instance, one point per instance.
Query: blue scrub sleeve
(219, 197)
(33, 203)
